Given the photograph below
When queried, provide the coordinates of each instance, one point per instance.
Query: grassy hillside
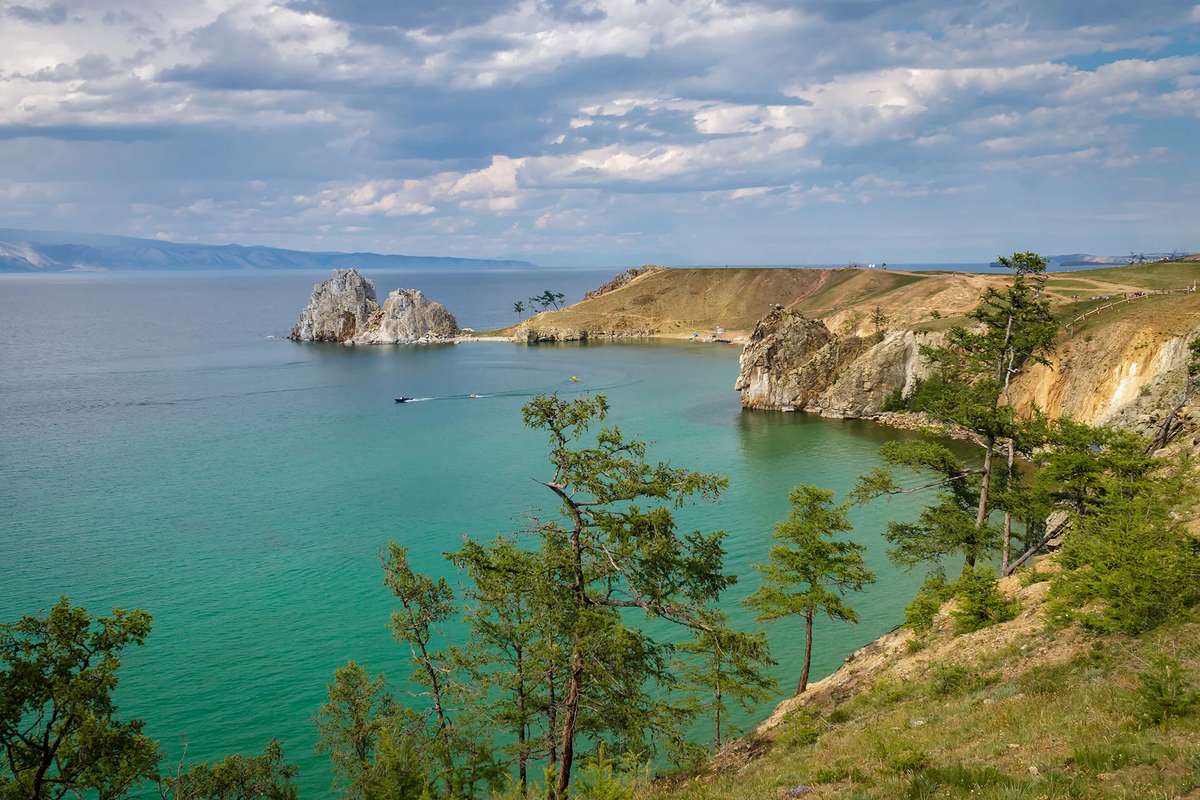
(679, 302)
(1018, 710)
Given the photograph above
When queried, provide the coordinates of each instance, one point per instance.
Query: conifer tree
(616, 547)
(810, 570)
(1010, 329)
(723, 667)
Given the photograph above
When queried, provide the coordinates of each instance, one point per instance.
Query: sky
(701, 131)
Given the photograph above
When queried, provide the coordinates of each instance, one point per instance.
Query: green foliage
(810, 571)
(59, 734)
(546, 300)
(947, 678)
(603, 779)
(908, 761)
(263, 777)
(919, 614)
(59, 731)
(800, 730)
(980, 603)
(947, 526)
(722, 665)
(895, 400)
(1129, 564)
(842, 772)
(1045, 680)
(1166, 690)
(1099, 757)
(839, 715)
(370, 739)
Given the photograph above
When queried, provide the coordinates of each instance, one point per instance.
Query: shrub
(908, 761)
(914, 645)
(1165, 690)
(841, 771)
(948, 678)
(801, 731)
(980, 603)
(919, 614)
(839, 715)
(602, 779)
(1131, 564)
(895, 400)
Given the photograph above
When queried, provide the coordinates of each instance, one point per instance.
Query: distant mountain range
(1086, 259)
(46, 251)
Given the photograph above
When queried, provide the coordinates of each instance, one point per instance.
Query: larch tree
(810, 570)
(721, 667)
(615, 547)
(59, 731)
(1010, 330)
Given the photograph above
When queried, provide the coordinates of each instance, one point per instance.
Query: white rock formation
(344, 309)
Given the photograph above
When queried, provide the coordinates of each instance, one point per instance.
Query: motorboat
(403, 399)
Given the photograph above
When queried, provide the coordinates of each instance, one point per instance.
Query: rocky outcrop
(792, 363)
(619, 281)
(784, 366)
(407, 316)
(340, 307)
(344, 309)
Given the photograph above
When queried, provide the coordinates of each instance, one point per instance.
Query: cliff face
(344, 309)
(339, 308)
(1122, 373)
(1095, 378)
(792, 363)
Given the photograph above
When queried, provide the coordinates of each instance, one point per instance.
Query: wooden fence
(1130, 299)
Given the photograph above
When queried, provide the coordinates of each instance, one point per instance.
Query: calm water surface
(158, 450)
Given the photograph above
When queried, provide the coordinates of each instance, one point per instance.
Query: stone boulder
(408, 316)
(340, 307)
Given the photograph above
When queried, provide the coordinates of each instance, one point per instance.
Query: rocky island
(345, 309)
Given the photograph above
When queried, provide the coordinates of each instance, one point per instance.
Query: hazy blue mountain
(576, 259)
(47, 251)
(1087, 259)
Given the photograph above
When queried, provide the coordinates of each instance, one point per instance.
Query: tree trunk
(574, 686)
(1008, 515)
(575, 682)
(984, 487)
(522, 755)
(552, 722)
(717, 718)
(808, 626)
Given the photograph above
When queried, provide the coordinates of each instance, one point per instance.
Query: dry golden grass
(1049, 714)
(679, 302)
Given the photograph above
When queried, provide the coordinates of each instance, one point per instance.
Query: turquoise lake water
(157, 450)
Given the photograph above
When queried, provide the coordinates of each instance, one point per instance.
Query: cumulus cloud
(498, 126)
